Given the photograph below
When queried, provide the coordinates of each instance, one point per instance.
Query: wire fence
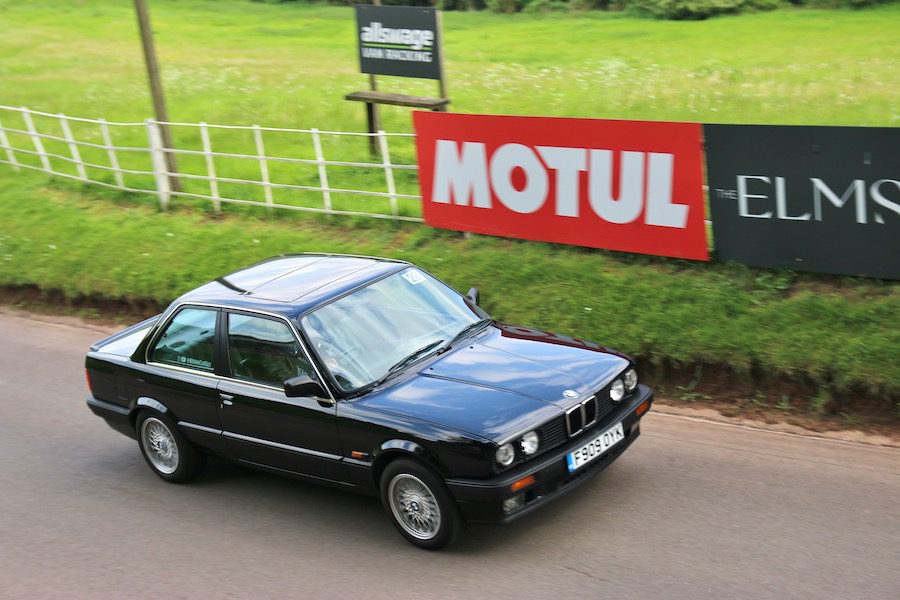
(270, 167)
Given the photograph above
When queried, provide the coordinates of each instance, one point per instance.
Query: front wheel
(167, 452)
(419, 504)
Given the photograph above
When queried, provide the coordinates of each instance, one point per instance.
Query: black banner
(398, 40)
(823, 199)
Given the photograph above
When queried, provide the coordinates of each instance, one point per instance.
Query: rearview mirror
(303, 386)
(474, 295)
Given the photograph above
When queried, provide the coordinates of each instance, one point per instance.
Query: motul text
(621, 185)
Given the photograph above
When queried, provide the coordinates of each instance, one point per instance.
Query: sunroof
(249, 279)
(298, 283)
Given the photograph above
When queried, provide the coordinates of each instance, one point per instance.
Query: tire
(166, 451)
(419, 505)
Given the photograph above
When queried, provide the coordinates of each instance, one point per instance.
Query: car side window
(264, 350)
(188, 340)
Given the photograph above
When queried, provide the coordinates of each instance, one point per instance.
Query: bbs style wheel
(419, 504)
(167, 452)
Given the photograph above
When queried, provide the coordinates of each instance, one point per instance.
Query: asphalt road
(692, 510)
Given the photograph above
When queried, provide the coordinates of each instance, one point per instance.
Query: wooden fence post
(210, 169)
(36, 140)
(323, 174)
(73, 147)
(160, 172)
(263, 165)
(388, 170)
(111, 153)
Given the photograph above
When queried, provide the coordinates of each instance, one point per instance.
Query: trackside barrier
(84, 150)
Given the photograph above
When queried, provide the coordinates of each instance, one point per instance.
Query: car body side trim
(280, 446)
(202, 428)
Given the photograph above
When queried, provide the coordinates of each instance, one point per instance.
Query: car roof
(293, 284)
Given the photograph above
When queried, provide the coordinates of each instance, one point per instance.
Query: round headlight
(617, 390)
(530, 442)
(630, 380)
(505, 455)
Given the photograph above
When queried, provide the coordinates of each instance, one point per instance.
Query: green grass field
(289, 65)
(239, 62)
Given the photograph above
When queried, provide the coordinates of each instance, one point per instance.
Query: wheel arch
(151, 403)
(392, 450)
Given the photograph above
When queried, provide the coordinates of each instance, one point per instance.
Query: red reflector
(644, 407)
(522, 483)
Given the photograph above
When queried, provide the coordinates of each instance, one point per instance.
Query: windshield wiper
(407, 360)
(465, 332)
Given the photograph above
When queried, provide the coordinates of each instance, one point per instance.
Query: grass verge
(802, 342)
(788, 342)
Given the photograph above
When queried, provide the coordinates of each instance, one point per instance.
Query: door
(180, 374)
(261, 424)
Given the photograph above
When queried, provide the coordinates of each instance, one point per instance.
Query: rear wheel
(167, 452)
(419, 504)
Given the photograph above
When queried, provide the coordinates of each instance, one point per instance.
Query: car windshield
(376, 330)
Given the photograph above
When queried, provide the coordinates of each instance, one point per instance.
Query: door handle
(226, 399)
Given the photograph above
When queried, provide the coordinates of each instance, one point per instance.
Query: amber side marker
(644, 407)
(357, 454)
(522, 483)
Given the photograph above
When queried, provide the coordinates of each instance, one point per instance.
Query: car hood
(501, 381)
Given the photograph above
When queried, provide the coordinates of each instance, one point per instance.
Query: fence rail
(272, 167)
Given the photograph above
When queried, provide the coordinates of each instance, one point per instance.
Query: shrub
(460, 4)
(546, 6)
(839, 3)
(506, 6)
(697, 9)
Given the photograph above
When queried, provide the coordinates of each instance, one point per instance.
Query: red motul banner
(635, 186)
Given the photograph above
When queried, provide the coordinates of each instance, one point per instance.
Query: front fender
(397, 448)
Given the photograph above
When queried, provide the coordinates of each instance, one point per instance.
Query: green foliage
(696, 9)
(544, 6)
(597, 4)
(839, 3)
(662, 9)
(823, 402)
(461, 4)
(507, 6)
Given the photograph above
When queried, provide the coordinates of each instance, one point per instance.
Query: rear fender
(152, 403)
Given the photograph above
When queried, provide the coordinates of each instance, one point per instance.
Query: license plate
(595, 448)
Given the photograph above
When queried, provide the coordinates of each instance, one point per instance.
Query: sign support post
(373, 118)
(400, 41)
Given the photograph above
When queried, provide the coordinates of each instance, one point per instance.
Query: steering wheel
(330, 351)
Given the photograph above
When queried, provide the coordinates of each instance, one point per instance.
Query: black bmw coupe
(371, 375)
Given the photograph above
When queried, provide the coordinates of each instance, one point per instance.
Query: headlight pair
(506, 453)
(620, 387)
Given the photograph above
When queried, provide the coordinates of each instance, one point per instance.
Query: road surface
(692, 510)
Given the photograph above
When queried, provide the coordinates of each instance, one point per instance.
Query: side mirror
(303, 386)
(474, 295)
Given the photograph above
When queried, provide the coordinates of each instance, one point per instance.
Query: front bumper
(481, 501)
